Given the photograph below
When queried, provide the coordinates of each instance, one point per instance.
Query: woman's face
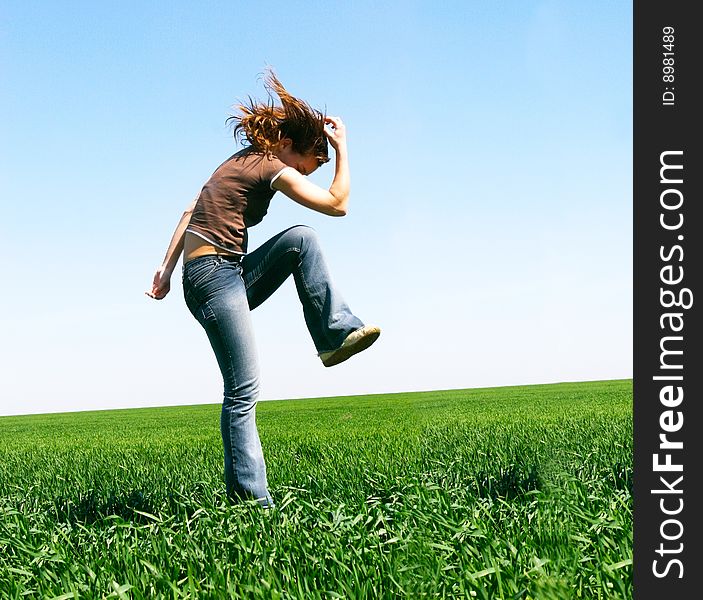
(304, 164)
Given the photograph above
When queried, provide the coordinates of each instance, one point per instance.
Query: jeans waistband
(236, 258)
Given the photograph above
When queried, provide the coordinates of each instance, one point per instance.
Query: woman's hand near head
(331, 202)
(335, 131)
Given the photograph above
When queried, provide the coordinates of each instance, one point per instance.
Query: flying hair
(263, 125)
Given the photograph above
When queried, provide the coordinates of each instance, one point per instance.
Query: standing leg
(297, 250)
(216, 296)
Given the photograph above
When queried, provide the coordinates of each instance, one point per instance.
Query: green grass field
(513, 492)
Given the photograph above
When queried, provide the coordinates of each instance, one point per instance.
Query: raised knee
(306, 234)
(304, 231)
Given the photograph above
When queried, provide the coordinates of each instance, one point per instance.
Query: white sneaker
(355, 342)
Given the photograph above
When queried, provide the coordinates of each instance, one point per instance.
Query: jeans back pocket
(196, 273)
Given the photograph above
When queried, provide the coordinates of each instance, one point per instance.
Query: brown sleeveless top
(236, 197)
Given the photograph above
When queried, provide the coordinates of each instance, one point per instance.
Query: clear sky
(489, 231)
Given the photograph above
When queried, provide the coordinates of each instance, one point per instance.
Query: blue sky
(489, 232)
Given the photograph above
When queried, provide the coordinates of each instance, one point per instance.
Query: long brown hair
(263, 125)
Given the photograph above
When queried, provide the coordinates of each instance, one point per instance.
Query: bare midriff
(195, 246)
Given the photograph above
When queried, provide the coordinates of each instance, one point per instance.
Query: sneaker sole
(346, 352)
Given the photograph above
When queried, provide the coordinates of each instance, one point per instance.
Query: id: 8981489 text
(668, 60)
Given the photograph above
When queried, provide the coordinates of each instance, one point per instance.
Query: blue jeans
(220, 292)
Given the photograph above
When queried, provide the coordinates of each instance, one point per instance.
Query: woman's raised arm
(331, 202)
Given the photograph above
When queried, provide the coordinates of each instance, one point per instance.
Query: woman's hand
(161, 285)
(336, 132)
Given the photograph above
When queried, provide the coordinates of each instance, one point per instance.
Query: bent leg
(297, 251)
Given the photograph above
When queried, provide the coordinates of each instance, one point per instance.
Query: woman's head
(266, 126)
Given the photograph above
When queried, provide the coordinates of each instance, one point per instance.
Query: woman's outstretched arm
(162, 279)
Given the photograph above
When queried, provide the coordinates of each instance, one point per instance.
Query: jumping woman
(223, 282)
